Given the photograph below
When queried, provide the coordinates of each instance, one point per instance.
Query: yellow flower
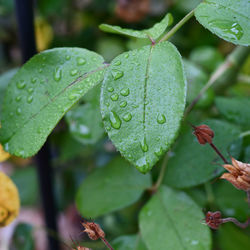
(9, 200)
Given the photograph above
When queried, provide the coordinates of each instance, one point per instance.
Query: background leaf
(235, 109)
(228, 19)
(153, 32)
(142, 102)
(192, 163)
(110, 188)
(128, 242)
(171, 220)
(42, 91)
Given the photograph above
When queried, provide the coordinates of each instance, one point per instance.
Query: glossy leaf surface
(153, 32)
(171, 220)
(142, 102)
(228, 19)
(41, 92)
(191, 163)
(110, 188)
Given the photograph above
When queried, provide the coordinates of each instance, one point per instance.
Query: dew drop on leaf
(114, 97)
(33, 80)
(30, 99)
(159, 152)
(117, 63)
(58, 74)
(123, 104)
(68, 57)
(73, 72)
(161, 119)
(30, 90)
(127, 117)
(125, 91)
(21, 84)
(229, 29)
(114, 120)
(18, 98)
(144, 145)
(18, 111)
(117, 74)
(110, 89)
(81, 61)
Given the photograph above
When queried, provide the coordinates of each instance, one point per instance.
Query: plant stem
(224, 74)
(177, 26)
(107, 244)
(236, 222)
(218, 153)
(155, 187)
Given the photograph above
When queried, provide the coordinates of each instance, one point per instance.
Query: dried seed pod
(93, 230)
(239, 174)
(213, 219)
(203, 133)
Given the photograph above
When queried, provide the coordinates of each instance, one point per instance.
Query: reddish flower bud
(213, 219)
(204, 134)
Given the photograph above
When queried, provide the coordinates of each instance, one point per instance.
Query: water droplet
(18, 98)
(159, 152)
(127, 117)
(126, 55)
(144, 145)
(33, 80)
(123, 104)
(81, 61)
(58, 74)
(18, 111)
(117, 74)
(110, 89)
(108, 128)
(125, 91)
(30, 90)
(73, 72)
(68, 57)
(161, 119)
(40, 70)
(21, 84)
(114, 97)
(30, 99)
(39, 130)
(114, 120)
(107, 104)
(142, 164)
(229, 29)
(117, 63)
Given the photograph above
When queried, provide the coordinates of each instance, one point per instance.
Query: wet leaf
(153, 32)
(41, 92)
(171, 220)
(110, 188)
(142, 102)
(228, 19)
(192, 163)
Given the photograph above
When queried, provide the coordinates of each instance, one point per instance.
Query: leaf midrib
(80, 78)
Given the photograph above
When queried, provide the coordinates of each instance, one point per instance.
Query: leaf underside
(154, 32)
(142, 102)
(41, 92)
(228, 19)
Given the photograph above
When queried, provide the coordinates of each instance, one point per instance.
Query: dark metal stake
(25, 21)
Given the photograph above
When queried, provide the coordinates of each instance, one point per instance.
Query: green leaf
(41, 92)
(228, 19)
(24, 180)
(230, 238)
(191, 163)
(196, 79)
(85, 123)
(234, 109)
(142, 102)
(171, 220)
(153, 32)
(4, 81)
(231, 201)
(110, 188)
(128, 242)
